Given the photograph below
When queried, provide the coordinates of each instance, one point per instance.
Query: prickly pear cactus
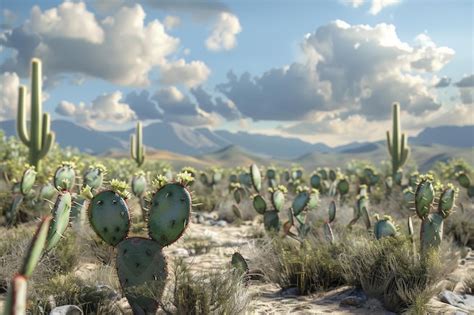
(278, 197)
(343, 187)
(139, 184)
(259, 204)
(332, 211)
(27, 180)
(271, 221)
(169, 213)
(61, 213)
(424, 197)
(65, 177)
(109, 216)
(256, 177)
(37, 245)
(384, 227)
(301, 201)
(47, 192)
(239, 263)
(94, 177)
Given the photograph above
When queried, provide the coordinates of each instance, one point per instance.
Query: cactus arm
(396, 138)
(404, 151)
(36, 109)
(21, 117)
(389, 145)
(132, 147)
(47, 136)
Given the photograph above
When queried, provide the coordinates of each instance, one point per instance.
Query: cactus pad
(278, 200)
(431, 233)
(169, 213)
(300, 202)
(64, 177)
(139, 185)
(384, 228)
(93, 178)
(315, 181)
(424, 197)
(61, 212)
(259, 204)
(239, 263)
(109, 217)
(271, 221)
(236, 212)
(33, 254)
(446, 202)
(464, 180)
(47, 192)
(27, 181)
(142, 272)
(16, 296)
(256, 177)
(343, 187)
(332, 211)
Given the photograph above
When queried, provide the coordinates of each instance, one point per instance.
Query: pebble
(66, 310)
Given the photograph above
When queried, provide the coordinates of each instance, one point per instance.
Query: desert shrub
(204, 292)
(469, 284)
(460, 226)
(390, 271)
(310, 267)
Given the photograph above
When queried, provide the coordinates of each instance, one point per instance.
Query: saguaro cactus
(137, 151)
(40, 139)
(397, 145)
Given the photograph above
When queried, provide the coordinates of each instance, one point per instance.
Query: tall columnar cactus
(397, 144)
(40, 139)
(137, 150)
(141, 264)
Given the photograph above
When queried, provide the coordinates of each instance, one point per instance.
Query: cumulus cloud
(104, 112)
(224, 107)
(8, 18)
(190, 74)
(467, 81)
(58, 34)
(143, 105)
(443, 82)
(171, 21)
(466, 89)
(225, 30)
(178, 107)
(9, 83)
(352, 69)
(378, 5)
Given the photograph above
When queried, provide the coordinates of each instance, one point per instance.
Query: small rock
(220, 223)
(66, 310)
(356, 301)
(465, 302)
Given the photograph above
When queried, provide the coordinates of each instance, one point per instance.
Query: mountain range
(203, 142)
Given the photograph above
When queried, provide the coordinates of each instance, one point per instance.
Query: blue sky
(288, 91)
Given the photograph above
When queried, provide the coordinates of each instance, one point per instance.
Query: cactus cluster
(141, 265)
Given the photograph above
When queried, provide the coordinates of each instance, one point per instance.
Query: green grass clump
(204, 292)
(390, 271)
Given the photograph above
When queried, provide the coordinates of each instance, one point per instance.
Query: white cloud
(352, 69)
(171, 21)
(466, 89)
(190, 74)
(121, 48)
(68, 20)
(9, 83)
(105, 111)
(378, 5)
(225, 30)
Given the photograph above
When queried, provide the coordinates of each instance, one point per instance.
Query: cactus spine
(397, 145)
(137, 151)
(40, 139)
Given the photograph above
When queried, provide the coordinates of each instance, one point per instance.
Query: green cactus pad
(142, 272)
(464, 180)
(300, 202)
(446, 202)
(259, 204)
(16, 296)
(33, 254)
(315, 181)
(256, 177)
(236, 211)
(328, 232)
(27, 181)
(313, 200)
(332, 211)
(431, 232)
(239, 263)
(271, 221)
(139, 185)
(343, 187)
(47, 192)
(237, 195)
(169, 213)
(323, 173)
(109, 217)
(93, 178)
(64, 177)
(278, 200)
(424, 197)
(61, 212)
(384, 228)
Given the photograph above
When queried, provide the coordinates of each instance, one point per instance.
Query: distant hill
(202, 146)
